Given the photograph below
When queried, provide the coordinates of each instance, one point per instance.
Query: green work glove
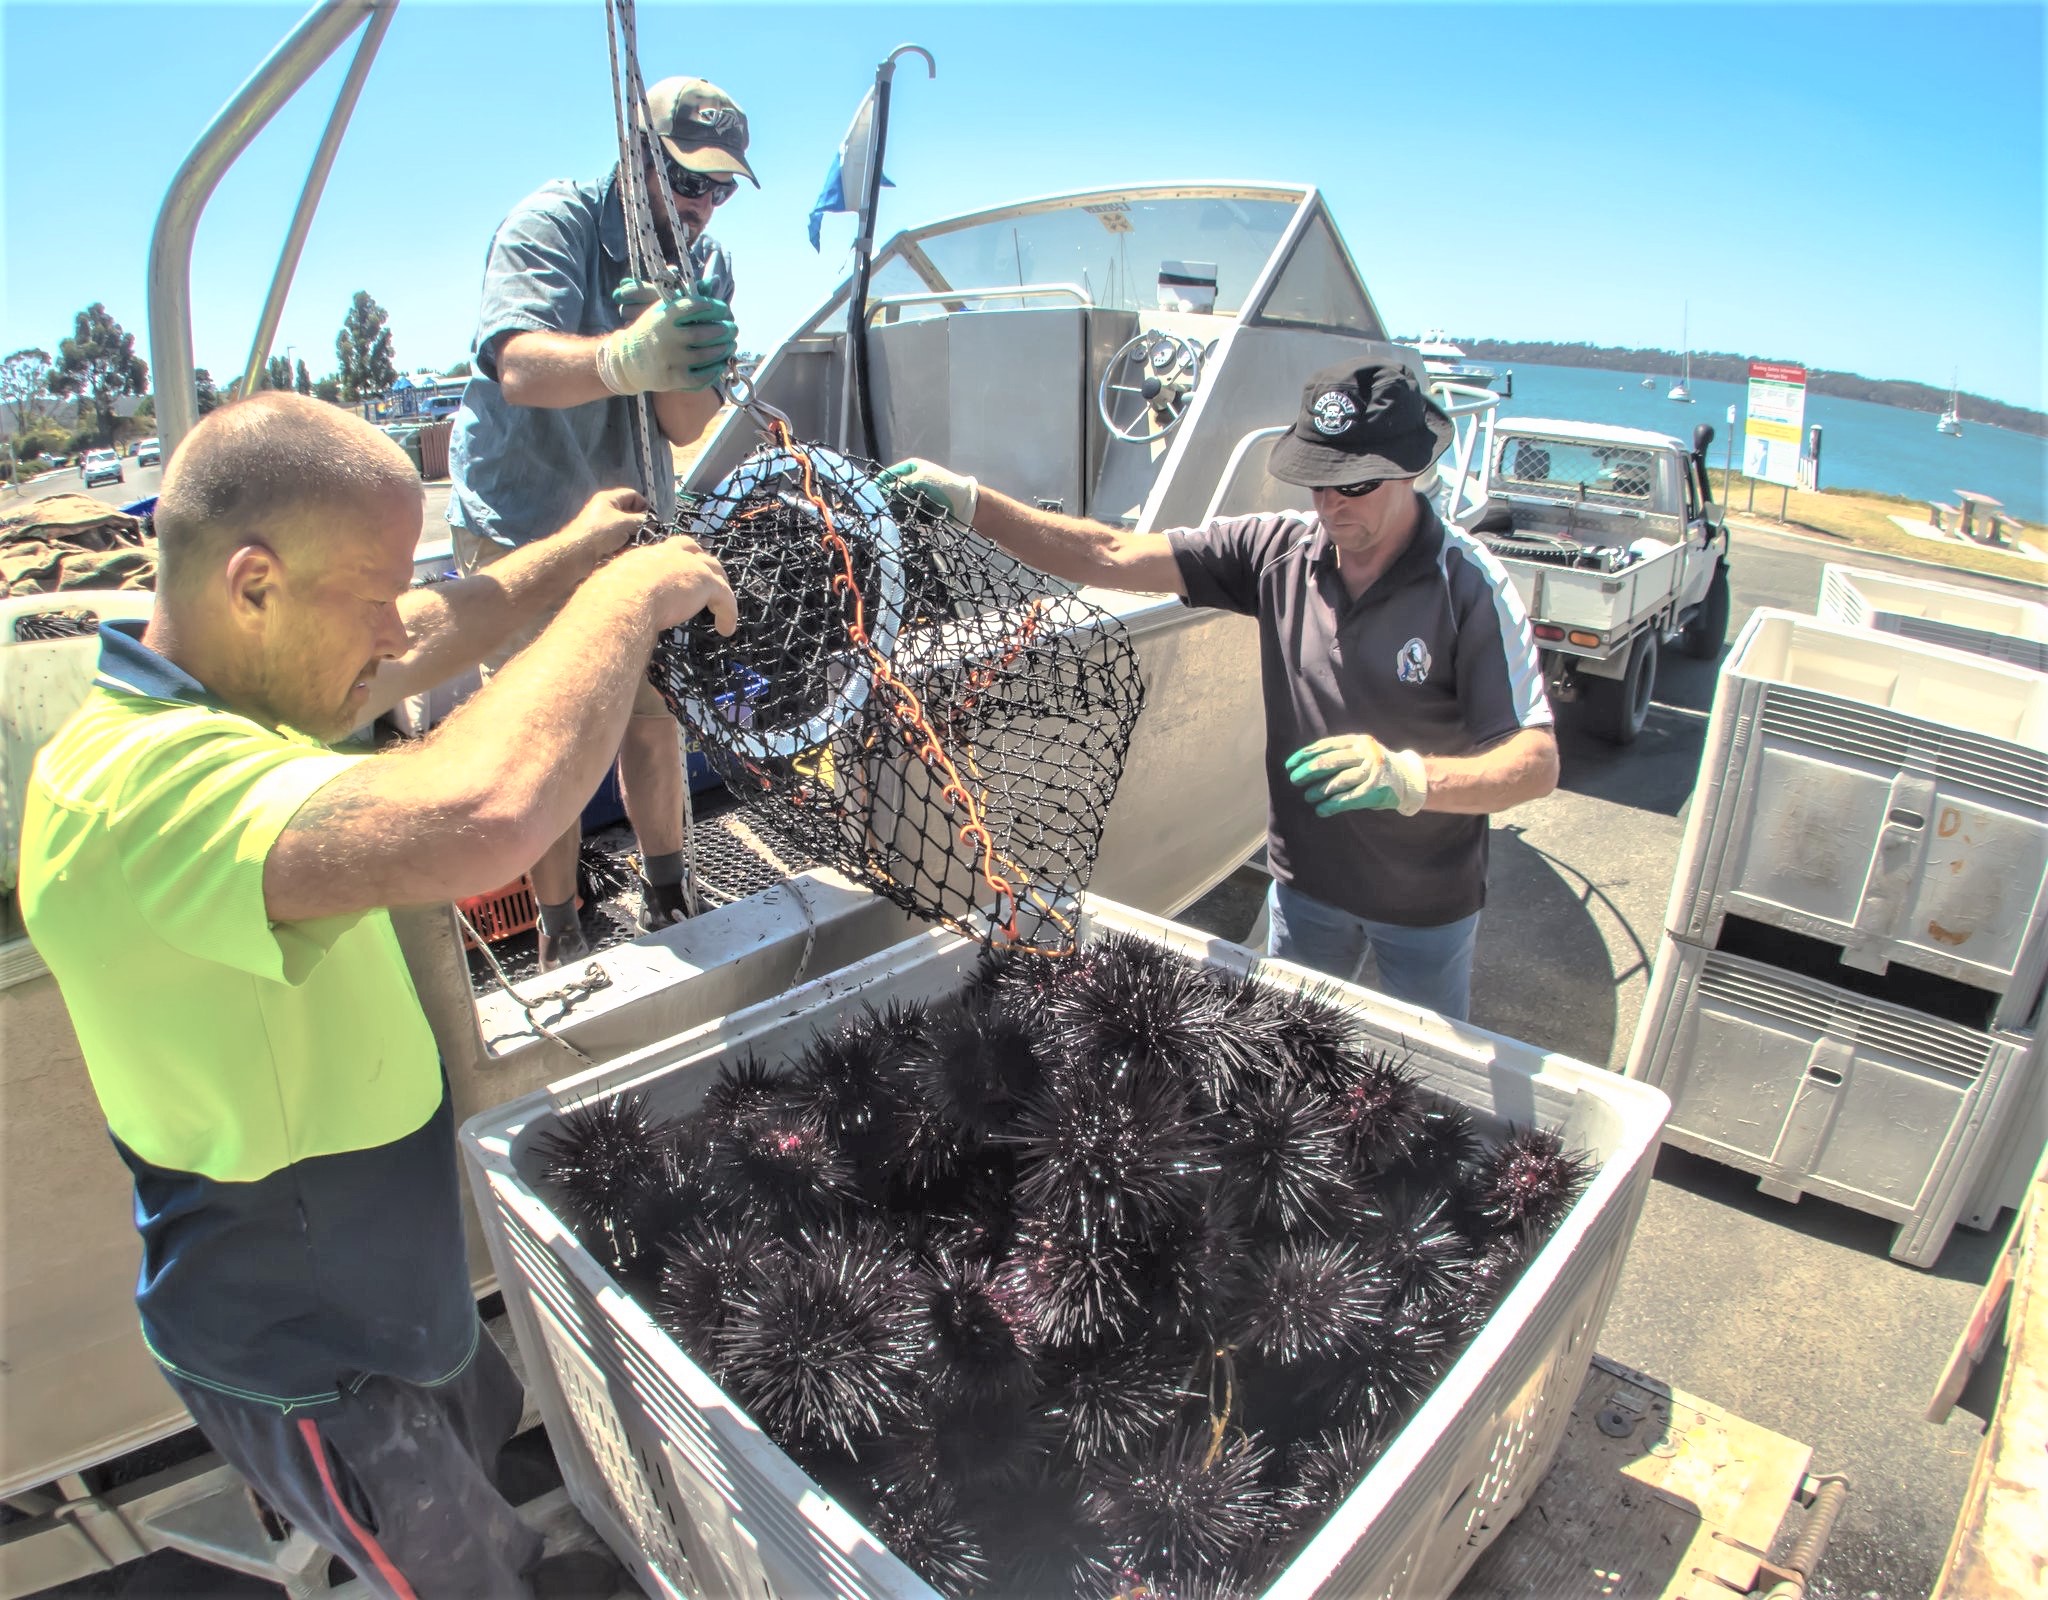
(924, 480)
(675, 345)
(1355, 772)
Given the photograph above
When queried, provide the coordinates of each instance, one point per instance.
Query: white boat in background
(1951, 422)
(1682, 390)
(1445, 362)
(1649, 383)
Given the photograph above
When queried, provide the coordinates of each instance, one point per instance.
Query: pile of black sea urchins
(1112, 1272)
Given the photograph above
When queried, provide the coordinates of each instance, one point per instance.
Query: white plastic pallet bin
(695, 1500)
(1820, 1091)
(2009, 1171)
(42, 682)
(1888, 797)
(1985, 624)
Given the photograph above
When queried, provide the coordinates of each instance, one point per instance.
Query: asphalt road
(140, 485)
(1792, 1316)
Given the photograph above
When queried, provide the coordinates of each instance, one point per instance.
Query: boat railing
(1244, 447)
(956, 299)
(1472, 411)
(304, 51)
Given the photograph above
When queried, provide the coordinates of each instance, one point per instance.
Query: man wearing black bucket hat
(565, 346)
(1404, 699)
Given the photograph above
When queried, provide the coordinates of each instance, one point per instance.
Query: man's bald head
(272, 469)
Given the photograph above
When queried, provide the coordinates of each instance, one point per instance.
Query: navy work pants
(399, 1480)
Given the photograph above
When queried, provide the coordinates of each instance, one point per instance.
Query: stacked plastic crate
(1847, 993)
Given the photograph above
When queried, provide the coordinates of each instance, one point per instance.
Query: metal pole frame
(864, 245)
(1728, 467)
(304, 51)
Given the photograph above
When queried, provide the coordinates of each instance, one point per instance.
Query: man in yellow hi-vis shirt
(208, 882)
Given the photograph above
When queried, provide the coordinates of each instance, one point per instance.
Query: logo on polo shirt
(1411, 662)
(1333, 412)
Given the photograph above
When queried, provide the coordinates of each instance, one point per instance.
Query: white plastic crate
(694, 1499)
(2019, 1141)
(42, 682)
(1975, 620)
(1888, 797)
(1824, 1092)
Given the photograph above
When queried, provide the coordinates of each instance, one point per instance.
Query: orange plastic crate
(502, 912)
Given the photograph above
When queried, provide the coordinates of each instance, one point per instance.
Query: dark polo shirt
(1435, 657)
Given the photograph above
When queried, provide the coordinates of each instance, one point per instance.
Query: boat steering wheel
(1148, 384)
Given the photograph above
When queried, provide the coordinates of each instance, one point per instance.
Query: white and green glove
(915, 479)
(1355, 772)
(674, 345)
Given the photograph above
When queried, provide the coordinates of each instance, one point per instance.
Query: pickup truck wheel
(1615, 709)
(1708, 631)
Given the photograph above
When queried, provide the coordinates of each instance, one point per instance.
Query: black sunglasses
(1356, 491)
(695, 185)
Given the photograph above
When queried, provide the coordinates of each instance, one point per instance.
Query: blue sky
(1854, 187)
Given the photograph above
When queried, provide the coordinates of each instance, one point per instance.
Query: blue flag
(847, 181)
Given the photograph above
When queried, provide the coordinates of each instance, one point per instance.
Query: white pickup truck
(1613, 539)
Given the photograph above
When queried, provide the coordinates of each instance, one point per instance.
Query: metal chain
(647, 263)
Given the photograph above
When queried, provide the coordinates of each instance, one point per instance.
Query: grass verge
(1861, 519)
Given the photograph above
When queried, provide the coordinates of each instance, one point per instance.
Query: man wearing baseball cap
(1404, 699)
(566, 345)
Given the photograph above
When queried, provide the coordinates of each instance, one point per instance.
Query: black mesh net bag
(903, 701)
(33, 627)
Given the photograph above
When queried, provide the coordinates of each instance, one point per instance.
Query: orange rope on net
(923, 740)
(902, 700)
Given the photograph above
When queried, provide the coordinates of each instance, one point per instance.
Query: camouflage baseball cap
(701, 127)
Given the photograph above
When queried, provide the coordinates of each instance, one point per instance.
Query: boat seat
(998, 393)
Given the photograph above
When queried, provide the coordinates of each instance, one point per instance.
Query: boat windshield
(1548, 466)
(1128, 250)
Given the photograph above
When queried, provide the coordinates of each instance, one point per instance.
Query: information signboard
(1777, 413)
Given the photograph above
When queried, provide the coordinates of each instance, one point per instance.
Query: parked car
(103, 466)
(148, 452)
(1617, 548)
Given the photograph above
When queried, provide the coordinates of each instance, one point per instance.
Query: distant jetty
(1725, 368)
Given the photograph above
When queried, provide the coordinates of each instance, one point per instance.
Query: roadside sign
(1777, 413)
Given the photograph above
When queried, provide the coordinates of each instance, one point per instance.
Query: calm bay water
(1863, 446)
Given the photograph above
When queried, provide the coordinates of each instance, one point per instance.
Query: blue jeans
(1427, 967)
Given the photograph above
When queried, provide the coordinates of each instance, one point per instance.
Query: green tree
(98, 364)
(363, 349)
(459, 370)
(206, 395)
(277, 373)
(145, 411)
(25, 386)
(328, 389)
(303, 380)
(44, 436)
